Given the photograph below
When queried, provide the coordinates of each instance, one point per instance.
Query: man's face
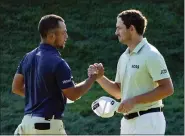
(122, 32)
(60, 35)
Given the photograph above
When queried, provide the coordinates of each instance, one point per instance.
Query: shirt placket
(126, 76)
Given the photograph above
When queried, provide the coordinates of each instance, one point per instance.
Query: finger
(100, 68)
(94, 68)
(100, 64)
(89, 73)
(91, 66)
(92, 71)
(89, 70)
(120, 108)
(96, 64)
(123, 110)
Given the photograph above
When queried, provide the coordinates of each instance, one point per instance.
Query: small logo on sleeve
(66, 81)
(163, 71)
(135, 66)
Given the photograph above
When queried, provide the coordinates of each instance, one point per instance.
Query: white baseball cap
(70, 101)
(105, 106)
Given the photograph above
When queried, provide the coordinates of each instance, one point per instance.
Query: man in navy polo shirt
(45, 79)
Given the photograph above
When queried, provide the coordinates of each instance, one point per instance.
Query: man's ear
(52, 35)
(132, 28)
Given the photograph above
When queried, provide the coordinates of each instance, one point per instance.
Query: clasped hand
(96, 69)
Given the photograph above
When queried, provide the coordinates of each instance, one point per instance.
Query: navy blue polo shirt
(45, 75)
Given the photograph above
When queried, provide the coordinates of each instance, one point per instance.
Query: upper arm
(167, 84)
(158, 70)
(64, 79)
(64, 76)
(18, 82)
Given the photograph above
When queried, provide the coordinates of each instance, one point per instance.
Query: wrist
(99, 79)
(135, 101)
(93, 77)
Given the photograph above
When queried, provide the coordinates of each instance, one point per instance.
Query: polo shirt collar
(138, 47)
(49, 47)
(127, 51)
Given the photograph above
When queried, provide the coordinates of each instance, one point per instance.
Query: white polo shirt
(138, 71)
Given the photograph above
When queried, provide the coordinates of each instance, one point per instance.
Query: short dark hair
(135, 18)
(48, 22)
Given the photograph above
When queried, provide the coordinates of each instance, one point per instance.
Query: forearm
(158, 93)
(110, 87)
(18, 86)
(20, 91)
(83, 87)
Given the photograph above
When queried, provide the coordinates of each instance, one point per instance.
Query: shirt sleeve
(64, 76)
(20, 66)
(117, 78)
(157, 67)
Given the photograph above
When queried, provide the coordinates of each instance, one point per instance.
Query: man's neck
(46, 42)
(134, 42)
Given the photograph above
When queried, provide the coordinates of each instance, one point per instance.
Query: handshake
(96, 69)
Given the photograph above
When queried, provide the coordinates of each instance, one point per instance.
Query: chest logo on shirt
(135, 66)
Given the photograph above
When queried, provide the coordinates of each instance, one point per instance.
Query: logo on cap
(112, 102)
(96, 106)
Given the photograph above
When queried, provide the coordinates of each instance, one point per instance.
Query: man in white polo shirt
(142, 78)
